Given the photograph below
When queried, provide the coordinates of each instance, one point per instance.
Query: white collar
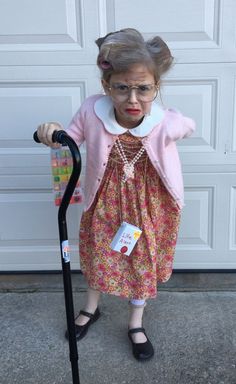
(104, 109)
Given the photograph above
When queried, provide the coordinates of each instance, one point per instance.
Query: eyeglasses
(144, 92)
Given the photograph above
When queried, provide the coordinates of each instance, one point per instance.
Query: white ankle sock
(139, 303)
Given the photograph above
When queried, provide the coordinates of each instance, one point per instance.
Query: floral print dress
(142, 201)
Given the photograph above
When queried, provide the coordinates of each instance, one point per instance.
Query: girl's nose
(133, 96)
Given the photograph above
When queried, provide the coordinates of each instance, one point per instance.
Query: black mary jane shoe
(141, 351)
(81, 330)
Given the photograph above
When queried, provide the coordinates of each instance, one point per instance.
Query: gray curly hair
(118, 51)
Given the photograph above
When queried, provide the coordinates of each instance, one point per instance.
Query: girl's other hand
(45, 131)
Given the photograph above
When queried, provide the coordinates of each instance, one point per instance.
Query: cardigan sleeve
(83, 120)
(178, 126)
(76, 128)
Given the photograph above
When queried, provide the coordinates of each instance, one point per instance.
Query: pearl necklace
(128, 167)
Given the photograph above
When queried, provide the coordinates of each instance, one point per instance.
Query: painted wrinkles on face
(129, 114)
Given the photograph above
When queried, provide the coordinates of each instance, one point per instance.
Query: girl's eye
(122, 88)
(144, 88)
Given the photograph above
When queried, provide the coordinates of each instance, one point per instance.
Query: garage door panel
(34, 23)
(207, 93)
(31, 105)
(202, 108)
(29, 233)
(203, 30)
(232, 140)
(207, 232)
(232, 222)
(197, 224)
(37, 222)
(198, 22)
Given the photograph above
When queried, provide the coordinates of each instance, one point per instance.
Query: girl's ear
(105, 87)
(158, 84)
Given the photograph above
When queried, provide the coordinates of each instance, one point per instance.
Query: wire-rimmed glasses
(144, 92)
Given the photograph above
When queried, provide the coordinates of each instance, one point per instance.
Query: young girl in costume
(133, 175)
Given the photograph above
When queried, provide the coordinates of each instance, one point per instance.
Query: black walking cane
(63, 138)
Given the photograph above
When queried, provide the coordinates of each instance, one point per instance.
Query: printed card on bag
(62, 165)
(125, 238)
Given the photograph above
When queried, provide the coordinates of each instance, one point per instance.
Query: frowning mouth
(132, 111)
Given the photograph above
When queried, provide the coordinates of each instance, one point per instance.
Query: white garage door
(47, 67)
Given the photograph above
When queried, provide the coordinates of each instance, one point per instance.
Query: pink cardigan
(159, 144)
